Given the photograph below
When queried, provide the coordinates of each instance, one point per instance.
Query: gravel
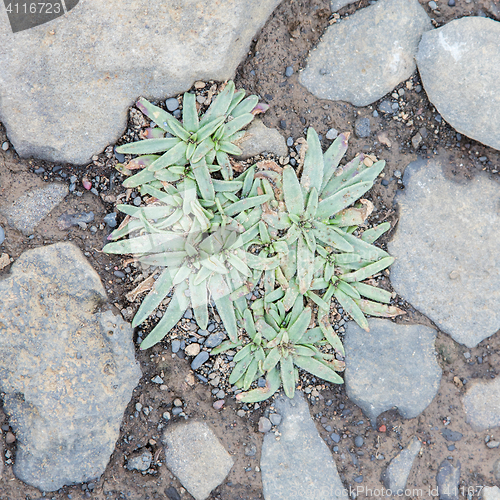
(5, 146)
(332, 134)
(264, 425)
(176, 345)
(172, 104)
(289, 71)
(214, 339)
(358, 441)
(110, 219)
(2, 235)
(362, 127)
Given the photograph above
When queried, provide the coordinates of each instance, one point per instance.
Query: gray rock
(2, 235)
(465, 93)
(65, 221)
(140, 461)
(332, 134)
(172, 104)
(180, 42)
(264, 425)
(259, 138)
(446, 245)
(395, 476)
(391, 366)
(214, 339)
(289, 71)
(199, 360)
(195, 455)
(339, 4)
(67, 373)
(362, 127)
(275, 418)
(30, 208)
(481, 404)
(386, 107)
(450, 435)
(448, 478)
(364, 57)
(490, 493)
(110, 219)
(298, 465)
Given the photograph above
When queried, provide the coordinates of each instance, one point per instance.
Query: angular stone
(448, 480)
(490, 493)
(446, 248)
(391, 366)
(459, 64)
(67, 372)
(259, 139)
(123, 49)
(298, 465)
(395, 476)
(481, 404)
(32, 207)
(195, 455)
(364, 57)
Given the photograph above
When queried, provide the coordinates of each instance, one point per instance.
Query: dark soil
(287, 38)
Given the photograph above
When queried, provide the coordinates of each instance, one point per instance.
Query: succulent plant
(194, 145)
(301, 237)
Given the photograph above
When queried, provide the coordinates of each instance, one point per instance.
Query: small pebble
(264, 425)
(118, 274)
(493, 444)
(40, 170)
(283, 124)
(467, 355)
(137, 201)
(218, 404)
(250, 450)
(358, 479)
(177, 402)
(362, 127)
(192, 349)
(451, 3)
(214, 339)
(176, 345)
(289, 71)
(385, 182)
(332, 134)
(241, 413)
(275, 418)
(110, 219)
(172, 104)
(335, 437)
(358, 441)
(433, 5)
(5, 146)
(375, 113)
(10, 438)
(2, 235)
(289, 142)
(176, 411)
(199, 360)
(157, 380)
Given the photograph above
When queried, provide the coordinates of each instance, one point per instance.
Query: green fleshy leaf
(331, 236)
(142, 177)
(352, 308)
(230, 148)
(239, 370)
(376, 309)
(199, 301)
(227, 186)
(178, 130)
(174, 156)
(237, 97)
(166, 259)
(332, 157)
(273, 382)
(293, 192)
(343, 175)
(189, 112)
(373, 234)
(156, 114)
(318, 369)
(348, 289)
(220, 293)
(312, 174)
(245, 106)
(251, 374)
(299, 327)
(312, 204)
(144, 244)
(372, 292)
(147, 146)
(225, 346)
(204, 180)
(236, 124)
(220, 104)
(246, 204)
(369, 270)
(225, 164)
(176, 309)
(342, 199)
(287, 375)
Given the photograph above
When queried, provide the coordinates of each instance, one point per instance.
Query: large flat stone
(298, 465)
(391, 366)
(481, 404)
(459, 64)
(195, 455)
(65, 86)
(447, 250)
(67, 372)
(32, 207)
(364, 57)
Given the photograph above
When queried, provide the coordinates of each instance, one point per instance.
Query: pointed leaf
(174, 156)
(199, 301)
(342, 199)
(293, 192)
(369, 270)
(220, 293)
(219, 105)
(376, 309)
(245, 106)
(299, 327)
(273, 382)
(312, 174)
(287, 376)
(372, 292)
(318, 369)
(352, 308)
(330, 236)
(189, 112)
(332, 157)
(373, 234)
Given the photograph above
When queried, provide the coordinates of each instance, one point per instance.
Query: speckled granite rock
(67, 372)
(447, 250)
(259, 138)
(123, 49)
(298, 465)
(395, 476)
(195, 455)
(459, 64)
(32, 207)
(391, 366)
(481, 404)
(364, 57)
